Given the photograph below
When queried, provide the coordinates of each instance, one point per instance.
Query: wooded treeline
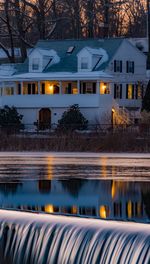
(23, 22)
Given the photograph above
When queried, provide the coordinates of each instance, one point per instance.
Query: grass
(117, 142)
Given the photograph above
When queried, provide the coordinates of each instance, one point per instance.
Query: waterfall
(27, 238)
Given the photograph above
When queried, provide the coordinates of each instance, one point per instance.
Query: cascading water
(44, 239)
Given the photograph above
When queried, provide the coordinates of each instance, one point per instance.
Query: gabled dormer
(40, 59)
(90, 59)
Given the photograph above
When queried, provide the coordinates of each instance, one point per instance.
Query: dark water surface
(98, 187)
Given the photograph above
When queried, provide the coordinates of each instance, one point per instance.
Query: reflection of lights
(74, 209)
(129, 209)
(104, 166)
(102, 211)
(49, 208)
(49, 168)
(113, 110)
(113, 189)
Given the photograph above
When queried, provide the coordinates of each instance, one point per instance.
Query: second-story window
(117, 66)
(130, 66)
(84, 63)
(35, 64)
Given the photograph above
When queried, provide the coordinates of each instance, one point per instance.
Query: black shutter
(132, 66)
(80, 88)
(19, 88)
(115, 88)
(132, 91)
(33, 88)
(127, 66)
(126, 91)
(114, 65)
(120, 66)
(29, 88)
(84, 88)
(136, 91)
(94, 88)
(69, 88)
(120, 91)
(43, 88)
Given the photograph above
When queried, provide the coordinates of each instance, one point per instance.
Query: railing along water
(42, 239)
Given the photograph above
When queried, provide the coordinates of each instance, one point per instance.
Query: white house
(104, 77)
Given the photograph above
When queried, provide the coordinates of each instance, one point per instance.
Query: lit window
(84, 63)
(9, 91)
(130, 91)
(88, 88)
(35, 64)
(104, 88)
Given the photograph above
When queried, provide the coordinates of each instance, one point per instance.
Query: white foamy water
(44, 239)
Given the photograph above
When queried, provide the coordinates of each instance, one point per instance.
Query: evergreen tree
(146, 99)
(72, 119)
(10, 119)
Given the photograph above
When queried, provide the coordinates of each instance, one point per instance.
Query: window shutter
(120, 66)
(132, 91)
(132, 66)
(43, 88)
(84, 88)
(115, 87)
(136, 91)
(33, 88)
(120, 91)
(29, 88)
(114, 65)
(127, 66)
(19, 88)
(126, 91)
(94, 88)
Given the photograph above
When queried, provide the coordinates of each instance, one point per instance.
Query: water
(96, 187)
(105, 188)
(36, 239)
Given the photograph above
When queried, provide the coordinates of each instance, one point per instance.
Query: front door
(44, 118)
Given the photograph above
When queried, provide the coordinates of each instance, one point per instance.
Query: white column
(15, 88)
(98, 87)
(39, 86)
(78, 86)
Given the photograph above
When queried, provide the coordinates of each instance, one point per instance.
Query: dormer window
(84, 63)
(35, 64)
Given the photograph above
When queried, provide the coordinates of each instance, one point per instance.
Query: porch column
(39, 86)
(21, 83)
(98, 87)
(78, 86)
(60, 87)
(15, 88)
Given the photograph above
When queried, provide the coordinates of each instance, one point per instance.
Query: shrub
(72, 119)
(10, 119)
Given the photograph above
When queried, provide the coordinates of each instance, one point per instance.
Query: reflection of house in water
(96, 198)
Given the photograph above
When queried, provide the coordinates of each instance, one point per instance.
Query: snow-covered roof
(60, 76)
(140, 43)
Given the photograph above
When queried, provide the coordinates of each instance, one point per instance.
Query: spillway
(27, 238)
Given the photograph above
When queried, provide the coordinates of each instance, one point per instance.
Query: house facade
(106, 78)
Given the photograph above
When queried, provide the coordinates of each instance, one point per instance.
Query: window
(130, 66)
(130, 91)
(117, 91)
(70, 49)
(117, 66)
(88, 88)
(104, 88)
(9, 91)
(35, 64)
(84, 63)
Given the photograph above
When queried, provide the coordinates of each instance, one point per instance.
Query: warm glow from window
(51, 89)
(104, 88)
(75, 90)
(49, 208)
